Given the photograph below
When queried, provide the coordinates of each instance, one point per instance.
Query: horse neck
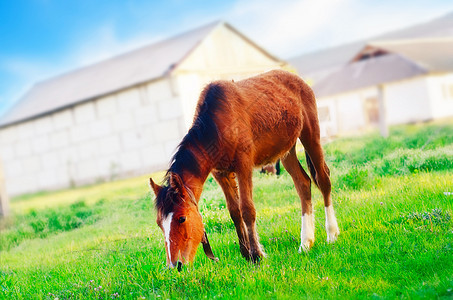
(194, 184)
(193, 181)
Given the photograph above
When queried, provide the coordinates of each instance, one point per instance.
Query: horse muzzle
(206, 248)
(177, 264)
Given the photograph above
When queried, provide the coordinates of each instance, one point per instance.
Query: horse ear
(176, 182)
(154, 186)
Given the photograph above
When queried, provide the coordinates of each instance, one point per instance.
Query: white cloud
(105, 43)
(362, 21)
(23, 73)
(102, 43)
(289, 28)
(285, 26)
(10, 96)
(26, 69)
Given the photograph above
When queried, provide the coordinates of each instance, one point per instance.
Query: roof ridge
(411, 40)
(343, 80)
(129, 52)
(388, 35)
(142, 64)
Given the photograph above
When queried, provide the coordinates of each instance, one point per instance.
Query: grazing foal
(238, 126)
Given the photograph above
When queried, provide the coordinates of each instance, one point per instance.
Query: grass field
(394, 204)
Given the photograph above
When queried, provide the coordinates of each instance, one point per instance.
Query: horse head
(180, 221)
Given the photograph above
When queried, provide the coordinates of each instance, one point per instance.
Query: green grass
(393, 207)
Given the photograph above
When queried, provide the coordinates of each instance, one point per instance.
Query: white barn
(120, 117)
(388, 83)
(317, 65)
(398, 77)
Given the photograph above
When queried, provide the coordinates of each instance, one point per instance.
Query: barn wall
(223, 54)
(351, 113)
(327, 115)
(223, 51)
(407, 101)
(414, 100)
(441, 95)
(131, 132)
(127, 133)
(346, 112)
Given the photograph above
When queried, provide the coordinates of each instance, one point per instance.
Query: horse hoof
(306, 246)
(332, 235)
(256, 257)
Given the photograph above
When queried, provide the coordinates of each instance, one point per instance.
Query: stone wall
(132, 132)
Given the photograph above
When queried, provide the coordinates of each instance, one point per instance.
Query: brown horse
(237, 126)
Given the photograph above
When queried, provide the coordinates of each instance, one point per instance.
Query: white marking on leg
(166, 224)
(331, 225)
(307, 232)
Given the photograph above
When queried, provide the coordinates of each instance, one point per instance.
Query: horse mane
(203, 134)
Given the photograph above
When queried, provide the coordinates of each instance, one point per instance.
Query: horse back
(260, 118)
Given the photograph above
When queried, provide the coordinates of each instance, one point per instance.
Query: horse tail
(311, 167)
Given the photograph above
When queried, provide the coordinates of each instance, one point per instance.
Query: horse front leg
(227, 181)
(249, 213)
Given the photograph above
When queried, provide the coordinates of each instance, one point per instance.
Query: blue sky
(43, 38)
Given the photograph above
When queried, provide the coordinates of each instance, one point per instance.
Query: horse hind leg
(227, 182)
(302, 183)
(321, 175)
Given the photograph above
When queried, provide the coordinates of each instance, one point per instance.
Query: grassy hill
(394, 204)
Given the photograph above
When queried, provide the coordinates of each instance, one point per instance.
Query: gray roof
(139, 66)
(369, 72)
(439, 27)
(398, 60)
(313, 64)
(309, 65)
(435, 55)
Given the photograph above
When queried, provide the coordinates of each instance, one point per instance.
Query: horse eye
(182, 220)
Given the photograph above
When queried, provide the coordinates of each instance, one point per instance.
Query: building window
(372, 110)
